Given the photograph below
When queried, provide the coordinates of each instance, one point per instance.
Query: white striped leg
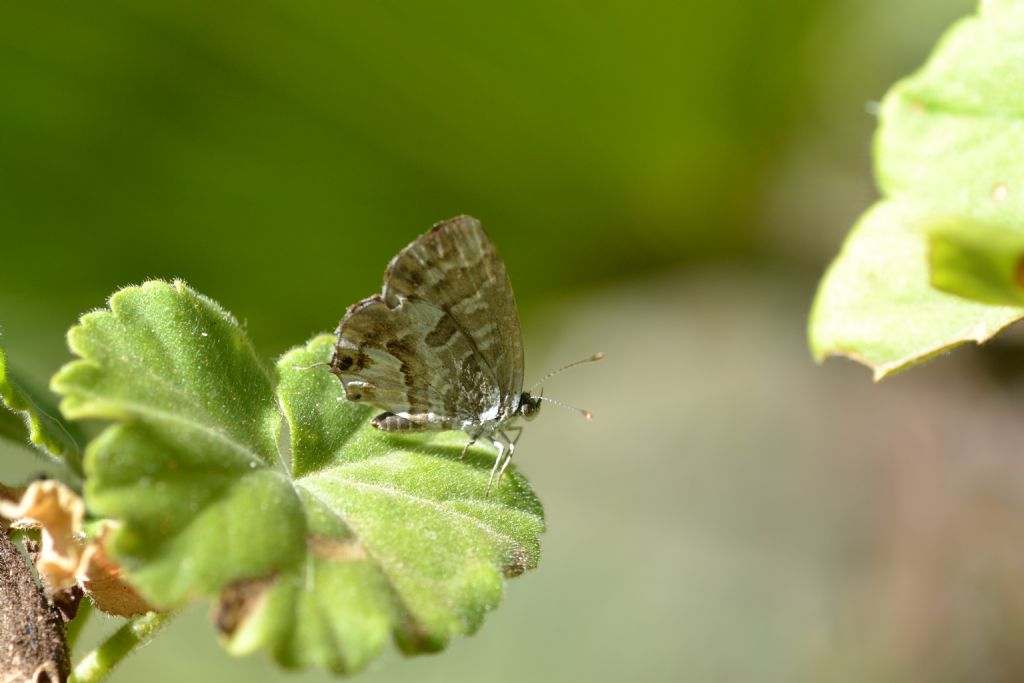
(500, 445)
(511, 451)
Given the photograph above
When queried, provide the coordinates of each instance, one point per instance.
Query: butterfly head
(529, 406)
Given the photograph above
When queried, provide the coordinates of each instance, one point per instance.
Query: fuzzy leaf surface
(262, 488)
(946, 154)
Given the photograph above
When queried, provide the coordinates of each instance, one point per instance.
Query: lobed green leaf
(948, 164)
(264, 489)
(875, 304)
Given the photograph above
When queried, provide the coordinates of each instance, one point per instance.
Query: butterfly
(440, 348)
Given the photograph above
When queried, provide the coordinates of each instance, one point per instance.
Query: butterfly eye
(529, 406)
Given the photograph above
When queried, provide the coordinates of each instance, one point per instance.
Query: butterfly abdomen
(390, 422)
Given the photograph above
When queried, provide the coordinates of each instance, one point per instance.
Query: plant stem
(98, 664)
(74, 628)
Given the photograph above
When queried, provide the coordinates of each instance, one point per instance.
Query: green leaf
(947, 153)
(263, 488)
(25, 421)
(978, 261)
(875, 304)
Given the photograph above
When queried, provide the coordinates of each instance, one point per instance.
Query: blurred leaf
(948, 145)
(12, 427)
(978, 261)
(875, 304)
(316, 551)
(24, 421)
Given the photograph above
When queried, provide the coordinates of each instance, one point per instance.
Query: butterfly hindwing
(412, 358)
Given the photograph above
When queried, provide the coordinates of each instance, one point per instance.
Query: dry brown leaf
(100, 578)
(57, 511)
(67, 556)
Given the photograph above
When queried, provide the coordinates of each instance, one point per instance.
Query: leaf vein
(142, 409)
(443, 510)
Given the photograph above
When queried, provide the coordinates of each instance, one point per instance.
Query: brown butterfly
(440, 348)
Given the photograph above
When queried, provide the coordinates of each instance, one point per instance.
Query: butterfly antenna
(585, 413)
(596, 357)
(310, 367)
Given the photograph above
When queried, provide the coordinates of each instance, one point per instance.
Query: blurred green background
(666, 182)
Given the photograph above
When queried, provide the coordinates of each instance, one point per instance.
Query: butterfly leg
(511, 450)
(462, 455)
(500, 445)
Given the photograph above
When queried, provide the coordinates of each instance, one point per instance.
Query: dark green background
(666, 181)
(275, 155)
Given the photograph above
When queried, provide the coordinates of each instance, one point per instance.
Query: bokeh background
(666, 182)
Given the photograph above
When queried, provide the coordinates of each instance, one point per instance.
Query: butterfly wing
(456, 267)
(412, 358)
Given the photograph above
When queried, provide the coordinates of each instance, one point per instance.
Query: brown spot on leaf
(338, 549)
(518, 562)
(239, 600)
(411, 637)
(1018, 273)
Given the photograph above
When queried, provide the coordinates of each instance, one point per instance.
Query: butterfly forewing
(456, 267)
(443, 338)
